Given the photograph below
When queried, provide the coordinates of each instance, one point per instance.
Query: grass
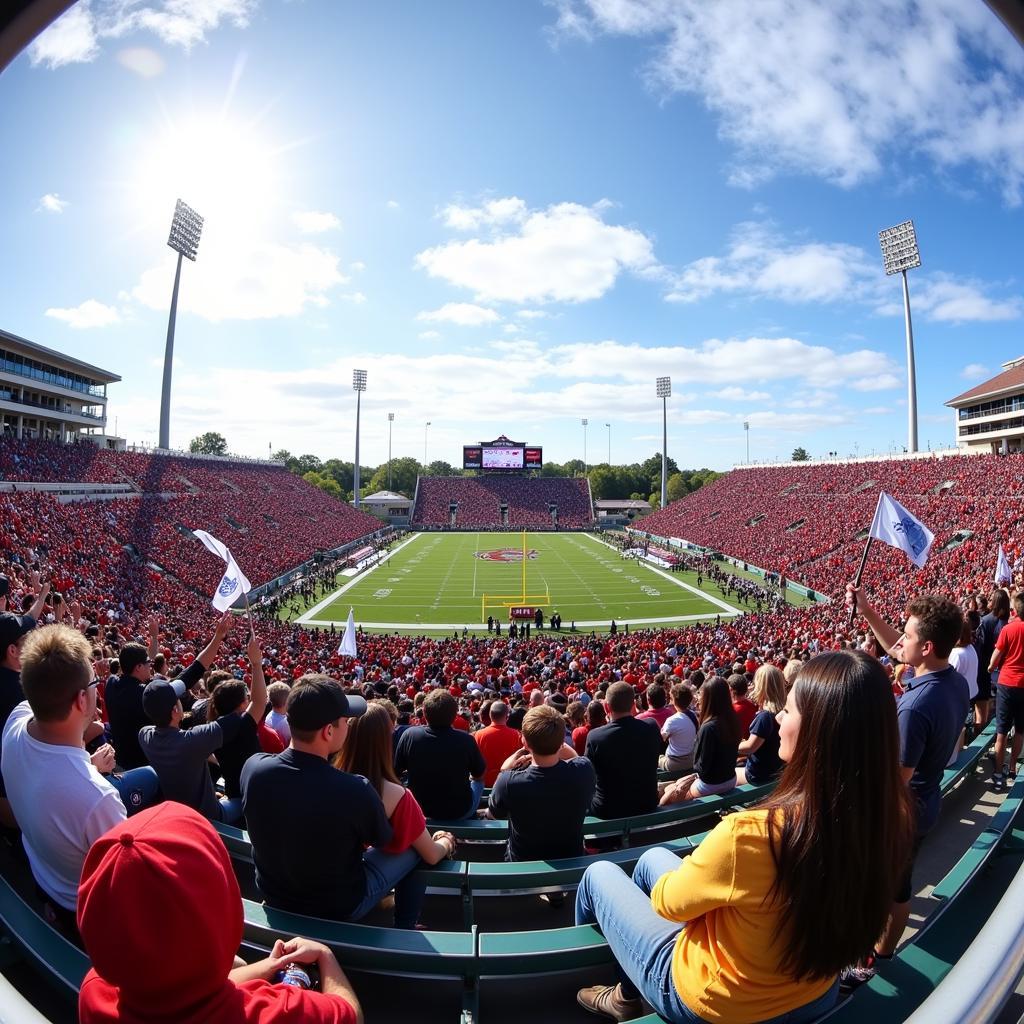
(435, 582)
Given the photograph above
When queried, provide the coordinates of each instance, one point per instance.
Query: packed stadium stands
(479, 501)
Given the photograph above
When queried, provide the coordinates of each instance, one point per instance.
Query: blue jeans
(387, 871)
(643, 943)
(477, 788)
(137, 788)
(230, 809)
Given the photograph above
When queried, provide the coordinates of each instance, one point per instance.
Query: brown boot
(608, 1001)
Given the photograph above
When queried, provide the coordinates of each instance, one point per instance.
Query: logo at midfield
(506, 555)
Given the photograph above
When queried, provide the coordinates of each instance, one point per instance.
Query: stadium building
(990, 417)
(48, 395)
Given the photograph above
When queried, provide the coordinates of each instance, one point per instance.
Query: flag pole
(248, 612)
(856, 582)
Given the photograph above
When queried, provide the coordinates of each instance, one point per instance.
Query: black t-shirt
(625, 755)
(235, 752)
(764, 763)
(545, 808)
(122, 697)
(11, 695)
(714, 760)
(439, 766)
(309, 824)
(986, 637)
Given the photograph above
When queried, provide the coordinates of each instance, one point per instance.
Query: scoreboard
(502, 455)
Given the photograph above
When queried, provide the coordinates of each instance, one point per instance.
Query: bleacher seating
(480, 499)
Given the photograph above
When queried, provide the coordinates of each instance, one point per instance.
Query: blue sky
(516, 214)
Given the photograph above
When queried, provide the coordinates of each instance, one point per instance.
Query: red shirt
(1010, 643)
(496, 742)
(746, 709)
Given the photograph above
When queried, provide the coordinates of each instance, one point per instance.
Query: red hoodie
(160, 913)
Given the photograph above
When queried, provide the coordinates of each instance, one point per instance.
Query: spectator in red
(659, 711)
(745, 708)
(138, 899)
(1008, 658)
(596, 716)
(497, 741)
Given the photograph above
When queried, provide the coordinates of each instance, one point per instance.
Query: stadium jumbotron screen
(501, 457)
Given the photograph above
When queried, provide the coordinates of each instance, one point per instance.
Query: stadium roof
(1011, 379)
(99, 375)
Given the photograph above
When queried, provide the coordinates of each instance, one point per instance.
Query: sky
(516, 214)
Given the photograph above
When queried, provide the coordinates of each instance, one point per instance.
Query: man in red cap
(163, 881)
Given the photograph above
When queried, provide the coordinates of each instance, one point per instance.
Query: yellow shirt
(726, 964)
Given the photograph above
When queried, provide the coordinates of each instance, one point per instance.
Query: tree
(439, 468)
(800, 455)
(210, 443)
(325, 483)
(678, 486)
(403, 476)
(650, 470)
(309, 464)
(285, 456)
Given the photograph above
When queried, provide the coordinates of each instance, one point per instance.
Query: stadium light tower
(391, 421)
(358, 386)
(663, 388)
(426, 427)
(584, 423)
(609, 426)
(900, 254)
(186, 229)
(746, 432)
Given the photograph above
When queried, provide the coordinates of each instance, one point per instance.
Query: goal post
(507, 601)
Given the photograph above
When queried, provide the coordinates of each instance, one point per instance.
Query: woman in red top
(368, 752)
(595, 718)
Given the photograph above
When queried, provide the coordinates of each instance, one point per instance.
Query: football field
(435, 582)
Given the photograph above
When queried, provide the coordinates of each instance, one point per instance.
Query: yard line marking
(476, 561)
(589, 624)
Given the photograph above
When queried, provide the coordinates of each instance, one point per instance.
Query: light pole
(663, 388)
(900, 254)
(584, 423)
(746, 431)
(426, 427)
(186, 229)
(391, 420)
(358, 386)
(609, 426)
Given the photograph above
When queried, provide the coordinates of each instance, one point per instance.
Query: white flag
(233, 582)
(894, 525)
(348, 640)
(1003, 574)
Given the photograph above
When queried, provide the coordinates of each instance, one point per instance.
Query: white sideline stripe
(483, 625)
(717, 602)
(306, 618)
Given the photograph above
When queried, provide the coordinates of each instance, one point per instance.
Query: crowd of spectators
(479, 500)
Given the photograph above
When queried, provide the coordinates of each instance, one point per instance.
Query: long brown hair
(367, 749)
(840, 822)
(716, 704)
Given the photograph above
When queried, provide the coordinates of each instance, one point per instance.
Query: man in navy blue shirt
(930, 715)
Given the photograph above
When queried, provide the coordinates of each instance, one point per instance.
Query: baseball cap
(314, 703)
(159, 698)
(13, 628)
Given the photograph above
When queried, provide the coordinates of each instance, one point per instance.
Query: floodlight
(358, 386)
(358, 380)
(186, 228)
(663, 387)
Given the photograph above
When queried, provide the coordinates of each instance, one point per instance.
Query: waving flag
(348, 641)
(233, 583)
(1003, 573)
(895, 526)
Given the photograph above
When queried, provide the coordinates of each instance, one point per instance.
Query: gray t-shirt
(180, 761)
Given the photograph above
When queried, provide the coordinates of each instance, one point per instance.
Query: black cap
(5, 585)
(314, 703)
(159, 698)
(13, 628)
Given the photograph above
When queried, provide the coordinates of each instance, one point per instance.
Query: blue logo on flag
(228, 585)
(911, 529)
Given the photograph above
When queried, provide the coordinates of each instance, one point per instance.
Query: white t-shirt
(61, 803)
(681, 733)
(279, 723)
(965, 661)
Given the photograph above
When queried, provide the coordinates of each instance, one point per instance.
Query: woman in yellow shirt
(755, 925)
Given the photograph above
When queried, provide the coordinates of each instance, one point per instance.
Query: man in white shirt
(59, 798)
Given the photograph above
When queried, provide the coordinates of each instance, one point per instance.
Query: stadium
(295, 739)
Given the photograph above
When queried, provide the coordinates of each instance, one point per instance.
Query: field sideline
(435, 582)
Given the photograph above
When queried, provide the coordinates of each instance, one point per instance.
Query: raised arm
(258, 692)
(887, 635)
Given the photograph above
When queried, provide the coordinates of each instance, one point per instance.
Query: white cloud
(975, 371)
(531, 314)
(75, 36)
(52, 203)
(496, 211)
(393, 204)
(566, 253)
(429, 335)
(941, 297)
(89, 314)
(465, 314)
(141, 60)
(841, 91)
(254, 281)
(314, 222)
(358, 267)
(735, 394)
(356, 298)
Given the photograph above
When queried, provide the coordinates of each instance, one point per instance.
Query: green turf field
(436, 582)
